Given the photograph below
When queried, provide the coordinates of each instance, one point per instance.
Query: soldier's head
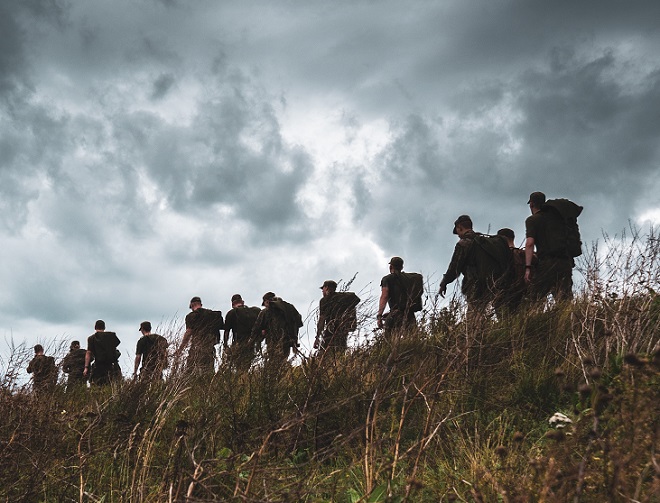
(99, 325)
(268, 296)
(396, 264)
(195, 303)
(74, 345)
(536, 200)
(508, 234)
(237, 300)
(145, 327)
(38, 349)
(329, 287)
(462, 224)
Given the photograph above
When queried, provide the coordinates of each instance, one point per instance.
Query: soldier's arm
(88, 360)
(184, 342)
(138, 358)
(529, 256)
(382, 302)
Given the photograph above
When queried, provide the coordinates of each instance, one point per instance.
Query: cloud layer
(154, 151)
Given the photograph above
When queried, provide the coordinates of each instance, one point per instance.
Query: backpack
(345, 309)
(564, 237)
(413, 286)
(245, 320)
(292, 320)
(104, 350)
(493, 259)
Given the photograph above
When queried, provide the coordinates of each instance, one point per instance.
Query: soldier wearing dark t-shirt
(102, 350)
(554, 272)
(73, 365)
(239, 322)
(202, 333)
(151, 351)
(393, 294)
(43, 370)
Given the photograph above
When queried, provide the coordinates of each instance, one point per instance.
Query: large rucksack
(245, 319)
(493, 259)
(564, 236)
(292, 320)
(345, 309)
(413, 286)
(105, 352)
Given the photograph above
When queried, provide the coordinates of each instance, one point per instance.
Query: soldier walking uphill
(403, 293)
(483, 261)
(102, 350)
(239, 320)
(202, 333)
(151, 351)
(552, 229)
(278, 324)
(43, 370)
(73, 365)
(337, 317)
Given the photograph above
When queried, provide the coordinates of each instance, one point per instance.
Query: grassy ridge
(442, 414)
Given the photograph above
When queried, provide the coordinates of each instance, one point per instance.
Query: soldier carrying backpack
(553, 230)
(403, 292)
(239, 320)
(337, 317)
(485, 263)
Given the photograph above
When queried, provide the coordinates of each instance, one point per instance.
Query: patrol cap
(507, 233)
(464, 220)
(536, 198)
(396, 262)
(236, 298)
(195, 299)
(330, 284)
(146, 326)
(267, 296)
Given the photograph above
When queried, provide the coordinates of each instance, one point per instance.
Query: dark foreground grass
(405, 419)
(442, 414)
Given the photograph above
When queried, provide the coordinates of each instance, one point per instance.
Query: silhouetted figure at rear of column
(43, 370)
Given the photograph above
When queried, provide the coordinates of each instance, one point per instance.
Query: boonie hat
(463, 220)
(267, 296)
(236, 298)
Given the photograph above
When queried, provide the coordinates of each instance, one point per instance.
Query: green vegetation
(444, 414)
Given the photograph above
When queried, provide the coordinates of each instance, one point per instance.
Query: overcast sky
(155, 150)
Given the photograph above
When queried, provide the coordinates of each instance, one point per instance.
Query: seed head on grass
(633, 360)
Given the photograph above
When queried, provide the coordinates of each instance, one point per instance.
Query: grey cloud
(162, 85)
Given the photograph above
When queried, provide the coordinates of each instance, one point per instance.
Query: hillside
(441, 414)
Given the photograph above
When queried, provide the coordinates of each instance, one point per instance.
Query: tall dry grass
(438, 414)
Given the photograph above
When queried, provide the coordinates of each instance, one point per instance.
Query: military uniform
(103, 346)
(73, 364)
(278, 324)
(204, 325)
(400, 315)
(153, 350)
(337, 313)
(44, 373)
(240, 320)
(554, 270)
